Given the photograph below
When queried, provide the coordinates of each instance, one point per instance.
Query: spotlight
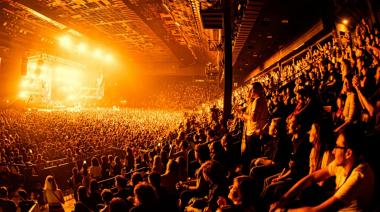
(71, 97)
(109, 58)
(65, 41)
(32, 66)
(24, 83)
(82, 48)
(345, 21)
(43, 76)
(23, 95)
(98, 53)
(44, 68)
(64, 88)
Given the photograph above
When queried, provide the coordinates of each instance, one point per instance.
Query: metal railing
(110, 182)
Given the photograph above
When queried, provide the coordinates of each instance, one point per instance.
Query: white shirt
(356, 192)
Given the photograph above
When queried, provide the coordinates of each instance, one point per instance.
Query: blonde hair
(50, 183)
(157, 160)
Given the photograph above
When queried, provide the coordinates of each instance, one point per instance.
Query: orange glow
(65, 41)
(72, 97)
(61, 80)
(82, 48)
(345, 21)
(24, 83)
(43, 76)
(98, 53)
(109, 58)
(32, 66)
(68, 76)
(44, 68)
(23, 95)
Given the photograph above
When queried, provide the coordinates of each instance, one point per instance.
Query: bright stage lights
(24, 83)
(71, 97)
(23, 95)
(65, 41)
(82, 48)
(109, 58)
(58, 79)
(44, 68)
(43, 76)
(98, 54)
(33, 66)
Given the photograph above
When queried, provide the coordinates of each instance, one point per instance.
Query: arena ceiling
(156, 31)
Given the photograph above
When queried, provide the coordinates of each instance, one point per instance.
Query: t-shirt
(357, 191)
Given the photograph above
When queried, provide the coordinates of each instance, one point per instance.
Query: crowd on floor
(280, 151)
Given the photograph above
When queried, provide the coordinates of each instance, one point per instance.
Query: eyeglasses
(339, 147)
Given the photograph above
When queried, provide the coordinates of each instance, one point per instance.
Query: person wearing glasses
(354, 178)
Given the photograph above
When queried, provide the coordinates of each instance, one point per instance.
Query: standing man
(255, 119)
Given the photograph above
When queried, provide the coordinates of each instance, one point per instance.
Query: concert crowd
(291, 131)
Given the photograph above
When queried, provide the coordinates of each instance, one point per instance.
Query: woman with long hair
(158, 166)
(351, 105)
(320, 155)
(95, 169)
(241, 195)
(105, 167)
(171, 176)
(118, 166)
(53, 196)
